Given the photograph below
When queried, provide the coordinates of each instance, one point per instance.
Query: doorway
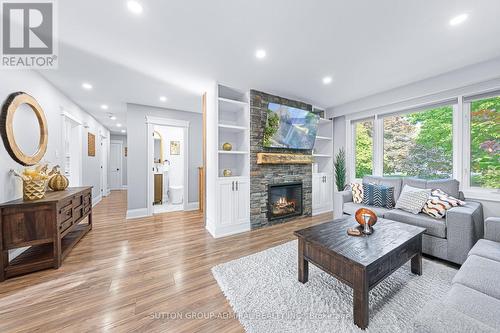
(115, 165)
(72, 149)
(168, 165)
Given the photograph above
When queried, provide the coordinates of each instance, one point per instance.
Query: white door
(316, 190)
(329, 191)
(226, 201)
(242, 201)
(115, 166)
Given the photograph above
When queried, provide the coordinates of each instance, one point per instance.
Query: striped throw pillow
(378, 195)
(439, 202)
(357, 192)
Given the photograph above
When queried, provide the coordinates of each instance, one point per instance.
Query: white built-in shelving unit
(322, 185)
(228, 120)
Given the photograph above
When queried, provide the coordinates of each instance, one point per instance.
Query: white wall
(176, 168)
(137, 148)
(123, 140)
(467, 81)
(53, 102)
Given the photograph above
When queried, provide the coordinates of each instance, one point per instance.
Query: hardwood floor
(124, 272)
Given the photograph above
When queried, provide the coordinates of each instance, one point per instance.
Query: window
(363, 148)
(419, 144)
(485, 143)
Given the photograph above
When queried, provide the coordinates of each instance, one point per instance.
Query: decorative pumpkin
(227, 146)
(58, 182)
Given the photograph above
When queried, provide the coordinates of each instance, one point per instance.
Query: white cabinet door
(242, 201)
(226, 202)
(328, 188)
(316, 190)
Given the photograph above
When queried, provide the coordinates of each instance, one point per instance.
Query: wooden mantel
(278, 158)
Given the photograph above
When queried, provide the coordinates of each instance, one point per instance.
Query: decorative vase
(227, 146)
(34, 189)
(367, 230)
(58, 182)
(227, 173)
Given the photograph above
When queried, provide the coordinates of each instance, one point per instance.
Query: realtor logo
(28, 34)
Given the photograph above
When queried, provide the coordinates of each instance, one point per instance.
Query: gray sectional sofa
(449, 238)
(473, 302)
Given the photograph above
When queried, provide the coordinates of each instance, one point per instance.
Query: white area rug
(264, 292)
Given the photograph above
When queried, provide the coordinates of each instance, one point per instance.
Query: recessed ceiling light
(104, 107)
(123, 131)
(163, 99)
(86, 86)
(135, 7)
(260, 54)
(112, 117)
(458, 19)
(327, 80)
(118, 125)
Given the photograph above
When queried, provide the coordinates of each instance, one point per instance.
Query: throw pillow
(412, 199)
(378, 195)
(439, 202)
(357, 192)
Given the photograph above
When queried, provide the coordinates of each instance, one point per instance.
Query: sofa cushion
(437, 317)
(351, 208)
(395, 182)
(414, 182)
(378, 195)
(449, 186)
(412, 199)
(357, 192)
(486, 249)
(480, 274)
(474, 304)
(439, 202)
(434, 227)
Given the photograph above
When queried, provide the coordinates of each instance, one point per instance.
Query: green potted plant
(340, 170)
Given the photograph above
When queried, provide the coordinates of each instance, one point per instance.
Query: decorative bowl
(359, 216)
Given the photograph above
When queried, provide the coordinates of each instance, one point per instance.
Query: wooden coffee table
(360, 262)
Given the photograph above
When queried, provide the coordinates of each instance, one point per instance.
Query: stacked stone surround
(263, 175)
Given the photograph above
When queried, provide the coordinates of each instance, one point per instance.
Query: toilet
(175, 194)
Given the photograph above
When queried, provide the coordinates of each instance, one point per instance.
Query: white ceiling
(176, 48)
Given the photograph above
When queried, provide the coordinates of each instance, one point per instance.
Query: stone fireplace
(263, 177)
(284, 200)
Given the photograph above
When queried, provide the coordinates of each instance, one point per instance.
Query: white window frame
(471, 191)
(351, 154)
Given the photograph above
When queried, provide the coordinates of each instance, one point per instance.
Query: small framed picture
(175, 147)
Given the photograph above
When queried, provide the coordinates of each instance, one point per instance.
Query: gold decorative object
(372, 217)
(34, 182)
(7, 128)
(277, 158)
(227, 146)
(91, 144)
(57, 181)
(227, 173)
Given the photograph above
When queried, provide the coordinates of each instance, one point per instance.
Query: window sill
(486, 195)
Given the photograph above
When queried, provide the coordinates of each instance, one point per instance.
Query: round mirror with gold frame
(18, 112)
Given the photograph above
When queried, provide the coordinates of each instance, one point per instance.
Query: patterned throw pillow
(378, 195)
(439, 202)
(412, 199)
(357, 192)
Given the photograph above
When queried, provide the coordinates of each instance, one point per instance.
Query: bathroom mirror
(23, 127)
(158, 147)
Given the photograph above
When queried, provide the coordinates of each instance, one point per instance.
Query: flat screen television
(290, 128)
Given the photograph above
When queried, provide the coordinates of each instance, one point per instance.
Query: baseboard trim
(96, 200)
(192, 206)
(223, 231)
(322, 211)
(137, 213)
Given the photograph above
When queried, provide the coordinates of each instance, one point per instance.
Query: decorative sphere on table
(359, 216)
(227, 146)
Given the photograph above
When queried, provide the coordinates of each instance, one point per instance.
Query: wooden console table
(50, 227)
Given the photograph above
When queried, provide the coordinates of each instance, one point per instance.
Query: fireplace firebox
(284, 200)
